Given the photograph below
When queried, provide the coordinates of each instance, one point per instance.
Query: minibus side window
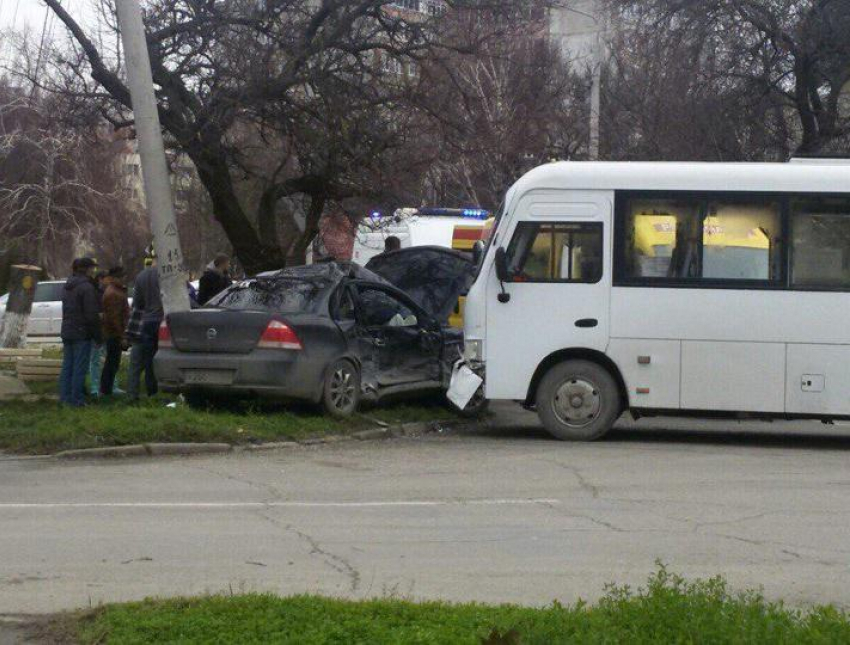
(742, 241)
(556, 252)
(683, 239)
(820, 243)
(663, 238)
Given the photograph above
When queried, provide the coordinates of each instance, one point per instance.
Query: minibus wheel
(578, 401)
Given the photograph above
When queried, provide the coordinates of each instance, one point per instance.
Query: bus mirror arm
(503, 274)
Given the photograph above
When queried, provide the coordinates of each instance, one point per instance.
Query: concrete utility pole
(598, 55)
(172, 272)
(595, 99)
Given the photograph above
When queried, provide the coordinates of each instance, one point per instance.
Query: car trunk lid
(218, 331)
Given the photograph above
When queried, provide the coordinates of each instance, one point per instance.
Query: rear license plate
(208, 377)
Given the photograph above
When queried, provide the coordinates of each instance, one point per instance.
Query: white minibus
(667, 288)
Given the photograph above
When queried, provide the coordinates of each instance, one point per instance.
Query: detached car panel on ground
(324, 333)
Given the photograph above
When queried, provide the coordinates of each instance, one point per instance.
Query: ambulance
(458, 229)
(450, 228)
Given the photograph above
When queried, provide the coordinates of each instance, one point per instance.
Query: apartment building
(578, 27)
(183, 176)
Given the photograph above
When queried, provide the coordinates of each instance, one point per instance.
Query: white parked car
(46, 318)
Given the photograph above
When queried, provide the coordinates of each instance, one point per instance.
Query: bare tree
(734, 71)
(516, 104)
(53, 182)
(302, 81)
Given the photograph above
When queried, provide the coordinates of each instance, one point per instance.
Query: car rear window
(278, 296)
(49, 292)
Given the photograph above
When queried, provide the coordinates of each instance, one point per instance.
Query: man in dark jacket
(147, 299)
(80, 329)
(116, 315)
(215, 279)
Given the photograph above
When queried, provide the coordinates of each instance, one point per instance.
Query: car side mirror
(503, 274)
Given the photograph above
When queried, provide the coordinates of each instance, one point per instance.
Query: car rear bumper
(271, 373)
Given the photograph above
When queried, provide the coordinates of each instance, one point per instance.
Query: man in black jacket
(215, 279)
(80, 329)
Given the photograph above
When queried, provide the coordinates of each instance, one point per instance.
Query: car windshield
(278, 295)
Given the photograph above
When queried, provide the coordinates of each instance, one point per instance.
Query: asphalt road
(499, 514)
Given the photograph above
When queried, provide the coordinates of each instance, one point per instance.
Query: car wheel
(198, 400)
(578, 401)
(342, 389)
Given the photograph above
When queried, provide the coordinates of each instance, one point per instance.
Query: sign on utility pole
(172, 272)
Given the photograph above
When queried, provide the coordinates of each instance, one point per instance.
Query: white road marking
(238, 505)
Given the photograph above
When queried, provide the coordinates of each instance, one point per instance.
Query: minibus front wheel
(578, 401)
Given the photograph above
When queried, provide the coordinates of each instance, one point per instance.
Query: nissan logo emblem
(211, 333)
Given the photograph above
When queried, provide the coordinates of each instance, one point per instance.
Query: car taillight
(279, 336)
(165, 336)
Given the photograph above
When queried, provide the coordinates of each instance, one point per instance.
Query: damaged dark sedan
(331, 334)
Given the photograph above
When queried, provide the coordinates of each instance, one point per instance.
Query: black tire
(198, 400)
(341, 395)
(578, 401)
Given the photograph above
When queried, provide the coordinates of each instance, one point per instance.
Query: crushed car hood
(433, 276)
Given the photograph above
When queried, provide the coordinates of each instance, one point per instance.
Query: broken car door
(402, 344)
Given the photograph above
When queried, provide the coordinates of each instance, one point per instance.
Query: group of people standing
(98, 325)
(95, 311)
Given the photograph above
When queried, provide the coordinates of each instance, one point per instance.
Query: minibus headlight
(474, 350)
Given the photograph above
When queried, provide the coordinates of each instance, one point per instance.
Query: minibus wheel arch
(576, 354)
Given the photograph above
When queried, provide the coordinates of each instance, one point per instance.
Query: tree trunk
(311, 229)
(254, 254)
(13, 328)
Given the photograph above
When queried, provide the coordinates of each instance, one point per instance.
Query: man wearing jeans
(148, 300)
(80, 329)
(116, 315)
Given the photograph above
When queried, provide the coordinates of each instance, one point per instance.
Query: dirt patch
(27, 630)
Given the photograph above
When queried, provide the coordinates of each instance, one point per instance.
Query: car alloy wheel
(342, 388)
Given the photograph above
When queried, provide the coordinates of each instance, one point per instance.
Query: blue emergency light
(468, 213)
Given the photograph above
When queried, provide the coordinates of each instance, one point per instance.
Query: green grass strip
(44, 427)
(669, 610)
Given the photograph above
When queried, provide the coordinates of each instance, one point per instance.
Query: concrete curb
(183, 449)
(146, 450)
(189, 449)
(113, 452)
(273, 445)
(372, 435)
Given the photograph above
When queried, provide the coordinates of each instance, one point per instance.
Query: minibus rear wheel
(578, 401)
